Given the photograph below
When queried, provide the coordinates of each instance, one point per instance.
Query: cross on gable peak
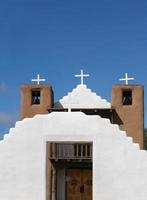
(38, 79)
(126, 79)
(82, 75)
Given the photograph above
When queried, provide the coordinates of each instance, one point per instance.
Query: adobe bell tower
(36, 99)
(128, 101)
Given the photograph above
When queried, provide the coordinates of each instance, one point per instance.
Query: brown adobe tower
(128, 101)
(35, 99)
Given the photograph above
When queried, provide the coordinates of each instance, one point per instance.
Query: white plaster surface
(82, 97)
(119, 166)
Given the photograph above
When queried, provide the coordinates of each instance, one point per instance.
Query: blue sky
(56, 39)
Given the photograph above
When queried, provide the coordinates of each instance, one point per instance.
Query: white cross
(126, 79)
(82, 75)
(38, 80)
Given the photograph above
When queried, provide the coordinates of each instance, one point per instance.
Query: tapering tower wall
(128, 100)
(35, 99)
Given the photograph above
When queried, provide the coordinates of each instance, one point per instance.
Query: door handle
(82, 189)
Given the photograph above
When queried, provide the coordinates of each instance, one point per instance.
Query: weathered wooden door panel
(79, 184)
(87, 182)
(73, 184)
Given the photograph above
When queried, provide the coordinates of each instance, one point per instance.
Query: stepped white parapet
(82, 97)
(119, 166)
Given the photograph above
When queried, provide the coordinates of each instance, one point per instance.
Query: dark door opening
(71, 171)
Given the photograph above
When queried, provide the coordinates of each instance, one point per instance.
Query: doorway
(69, 171)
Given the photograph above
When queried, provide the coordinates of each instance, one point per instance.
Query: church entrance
(79, 184)
(71, 171)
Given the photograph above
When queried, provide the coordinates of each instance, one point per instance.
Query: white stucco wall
(82, 97)
(119, 167)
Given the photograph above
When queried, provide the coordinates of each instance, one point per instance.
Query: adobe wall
(119, 167)
(132, 116)
(46, 100)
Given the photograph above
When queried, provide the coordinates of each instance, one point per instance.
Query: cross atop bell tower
(126, 79)
(38, 80)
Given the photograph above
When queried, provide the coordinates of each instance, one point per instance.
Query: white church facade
(80, 148)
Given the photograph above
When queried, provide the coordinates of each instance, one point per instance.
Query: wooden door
(79, 184)
(87, 182)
